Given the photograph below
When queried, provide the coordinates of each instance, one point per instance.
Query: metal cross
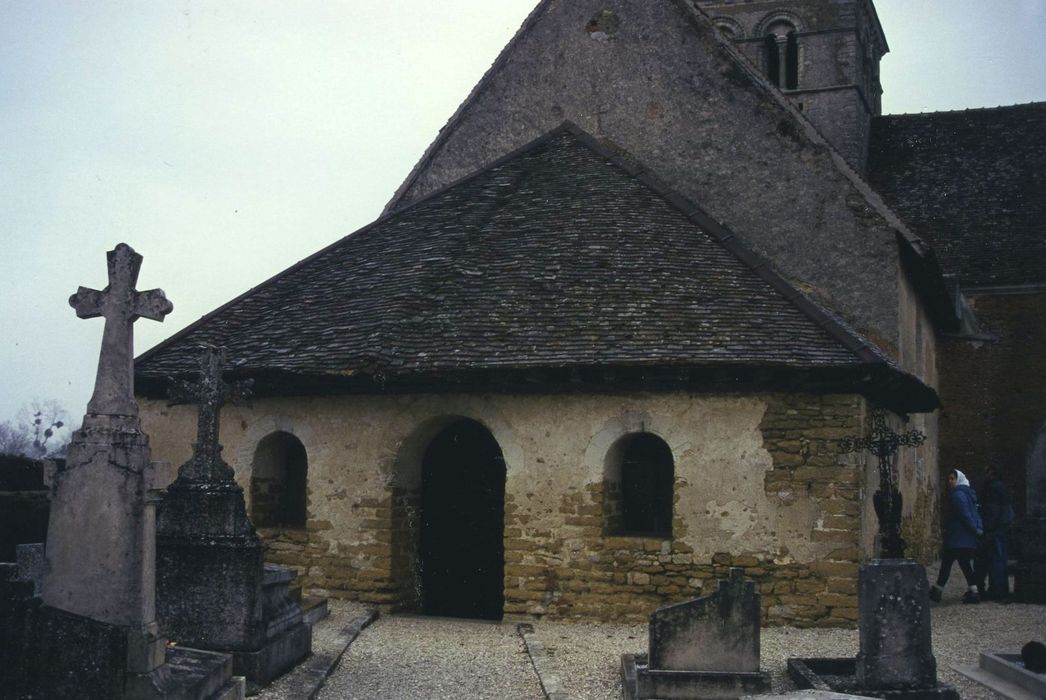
(884, 443)
(209, 392)
(121, 305)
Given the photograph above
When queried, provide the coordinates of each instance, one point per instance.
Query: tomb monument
(214, 590)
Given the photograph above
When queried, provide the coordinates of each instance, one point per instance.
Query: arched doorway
(279, 480)
(461, 553)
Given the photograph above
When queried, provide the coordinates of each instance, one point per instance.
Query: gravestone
(101, 533)
(1029, 575)
(895, 659)
(896, 653)
(704, 648)
(92, 631)
(214, 590)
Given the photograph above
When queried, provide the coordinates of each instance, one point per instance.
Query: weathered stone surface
(896, 648)
(717, 632)
(213, 589)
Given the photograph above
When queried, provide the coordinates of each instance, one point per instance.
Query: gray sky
(225, 140)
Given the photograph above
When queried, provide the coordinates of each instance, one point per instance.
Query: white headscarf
(960, 478)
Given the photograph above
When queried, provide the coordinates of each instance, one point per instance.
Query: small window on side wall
(638, 487)
(279, 481)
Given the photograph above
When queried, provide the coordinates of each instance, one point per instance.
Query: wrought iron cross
(121, 305)
(209, 392)
(884, 443)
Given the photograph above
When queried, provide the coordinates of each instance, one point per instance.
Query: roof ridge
(964, 110)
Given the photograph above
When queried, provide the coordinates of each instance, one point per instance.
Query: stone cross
(209, 392)
(121, 305)
(884, 443)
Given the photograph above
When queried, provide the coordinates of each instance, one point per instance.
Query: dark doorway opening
(461, 552)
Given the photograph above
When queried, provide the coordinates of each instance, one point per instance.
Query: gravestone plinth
(100, 548)
(214, 590)
(703, 648)
(896, 658)
(896, 647)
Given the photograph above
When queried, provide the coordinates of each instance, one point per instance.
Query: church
(610, 334)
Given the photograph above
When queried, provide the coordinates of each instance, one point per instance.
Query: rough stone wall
(993, 392)
(759, 483)
(663, 87)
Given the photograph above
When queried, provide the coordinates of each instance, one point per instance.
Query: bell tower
(822, 54)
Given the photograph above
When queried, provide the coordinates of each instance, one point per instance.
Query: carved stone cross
(121, 305)
(209, 392)
(884, 443)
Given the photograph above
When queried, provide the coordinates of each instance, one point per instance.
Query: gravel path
(418, 658)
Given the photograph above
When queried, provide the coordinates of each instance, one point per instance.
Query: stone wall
(759, 483)
(993, 392)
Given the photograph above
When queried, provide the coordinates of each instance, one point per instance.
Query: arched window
(781, 46)
(638, 487)
(278, 482)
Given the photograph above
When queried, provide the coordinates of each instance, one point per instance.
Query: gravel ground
(587, 657)
(418, 658)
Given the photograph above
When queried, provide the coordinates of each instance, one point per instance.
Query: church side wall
(993, 391)
(759, 483)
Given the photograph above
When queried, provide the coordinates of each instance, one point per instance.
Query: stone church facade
(607, 337)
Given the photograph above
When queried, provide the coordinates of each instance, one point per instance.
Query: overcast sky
(226, 140)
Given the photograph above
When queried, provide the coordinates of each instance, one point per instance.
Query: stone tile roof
(560, 255)
(974, 184)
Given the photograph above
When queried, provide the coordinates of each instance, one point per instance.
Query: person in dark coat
(962, 528)
(997, 514)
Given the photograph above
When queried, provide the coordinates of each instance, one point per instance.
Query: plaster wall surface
(667, 89)
(759, 483)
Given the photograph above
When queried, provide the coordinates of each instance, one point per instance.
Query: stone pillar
(1029, 575)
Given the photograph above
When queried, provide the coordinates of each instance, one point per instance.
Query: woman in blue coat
(962, 528)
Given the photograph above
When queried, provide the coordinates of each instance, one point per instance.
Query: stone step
(313, 609)
(203, 675)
